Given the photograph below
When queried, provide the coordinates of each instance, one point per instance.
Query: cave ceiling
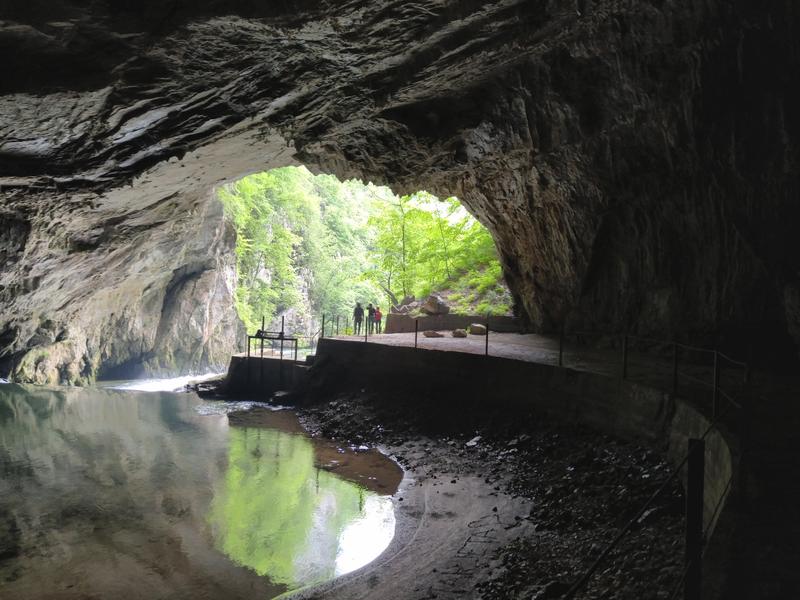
(636, 162)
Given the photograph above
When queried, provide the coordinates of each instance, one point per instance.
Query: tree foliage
(310, 245)
(423, 244)
(282, 516)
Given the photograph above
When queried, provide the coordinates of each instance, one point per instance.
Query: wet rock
(459, 333)
(10, 536)
(553, 589)
(477, 329)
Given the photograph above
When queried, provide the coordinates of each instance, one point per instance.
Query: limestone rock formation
(141, 290)
(407, 304)
(435, 305)
(636, 162)
(477, 329)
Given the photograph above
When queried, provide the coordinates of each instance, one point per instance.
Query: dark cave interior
(635, 162)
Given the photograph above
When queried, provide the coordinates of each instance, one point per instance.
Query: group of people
(374, 318)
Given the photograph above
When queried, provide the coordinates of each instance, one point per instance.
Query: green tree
(310, 245)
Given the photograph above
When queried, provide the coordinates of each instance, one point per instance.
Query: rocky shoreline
(575, 489)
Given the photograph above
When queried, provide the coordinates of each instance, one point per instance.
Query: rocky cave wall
(636, 161)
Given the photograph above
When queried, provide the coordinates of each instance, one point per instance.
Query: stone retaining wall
(467, 383)
(396, 323)
(258, 378)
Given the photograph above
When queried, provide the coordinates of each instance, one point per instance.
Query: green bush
(316, 245)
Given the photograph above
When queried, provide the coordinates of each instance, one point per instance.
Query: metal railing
(704, 375)
(336, 325)
(693, 371)
(670, 373)
(701, 374)
(697, 531)
(680, 368)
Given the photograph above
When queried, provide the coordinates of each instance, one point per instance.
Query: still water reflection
(109, 494)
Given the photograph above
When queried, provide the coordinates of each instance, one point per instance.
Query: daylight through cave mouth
(312, 245)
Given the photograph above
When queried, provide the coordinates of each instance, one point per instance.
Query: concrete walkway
(650, 364)
(763, 561)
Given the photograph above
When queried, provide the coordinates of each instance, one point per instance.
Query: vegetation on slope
(310, 245)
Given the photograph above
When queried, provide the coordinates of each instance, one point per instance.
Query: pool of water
(111, 494)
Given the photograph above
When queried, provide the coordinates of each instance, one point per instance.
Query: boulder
(477, 329)
(432, 334)
(435, 305)
(459, 333)
(408, 300)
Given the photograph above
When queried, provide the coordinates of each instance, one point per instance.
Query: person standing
(358, 317)
(370, 317)
(378, 317)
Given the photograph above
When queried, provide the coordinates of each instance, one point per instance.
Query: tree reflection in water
(285, 518)
(138, 496)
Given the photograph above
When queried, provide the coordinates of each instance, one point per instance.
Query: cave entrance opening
(312, 245)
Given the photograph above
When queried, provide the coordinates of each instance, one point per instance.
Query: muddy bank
(556, 495)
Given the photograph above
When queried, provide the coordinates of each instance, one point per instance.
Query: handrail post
(694, 520)
(247, 360)
(416, 331)
(280, 360)
(561, 347)
(674, 368)
(625, 357)
(715, 396)
(322, 332)
(486, 353)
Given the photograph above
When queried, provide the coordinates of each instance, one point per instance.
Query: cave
(636, 164)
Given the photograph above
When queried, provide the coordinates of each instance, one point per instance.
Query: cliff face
(117, 285)
(635, 161)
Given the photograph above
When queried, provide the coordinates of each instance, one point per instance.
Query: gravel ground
(580, 488)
